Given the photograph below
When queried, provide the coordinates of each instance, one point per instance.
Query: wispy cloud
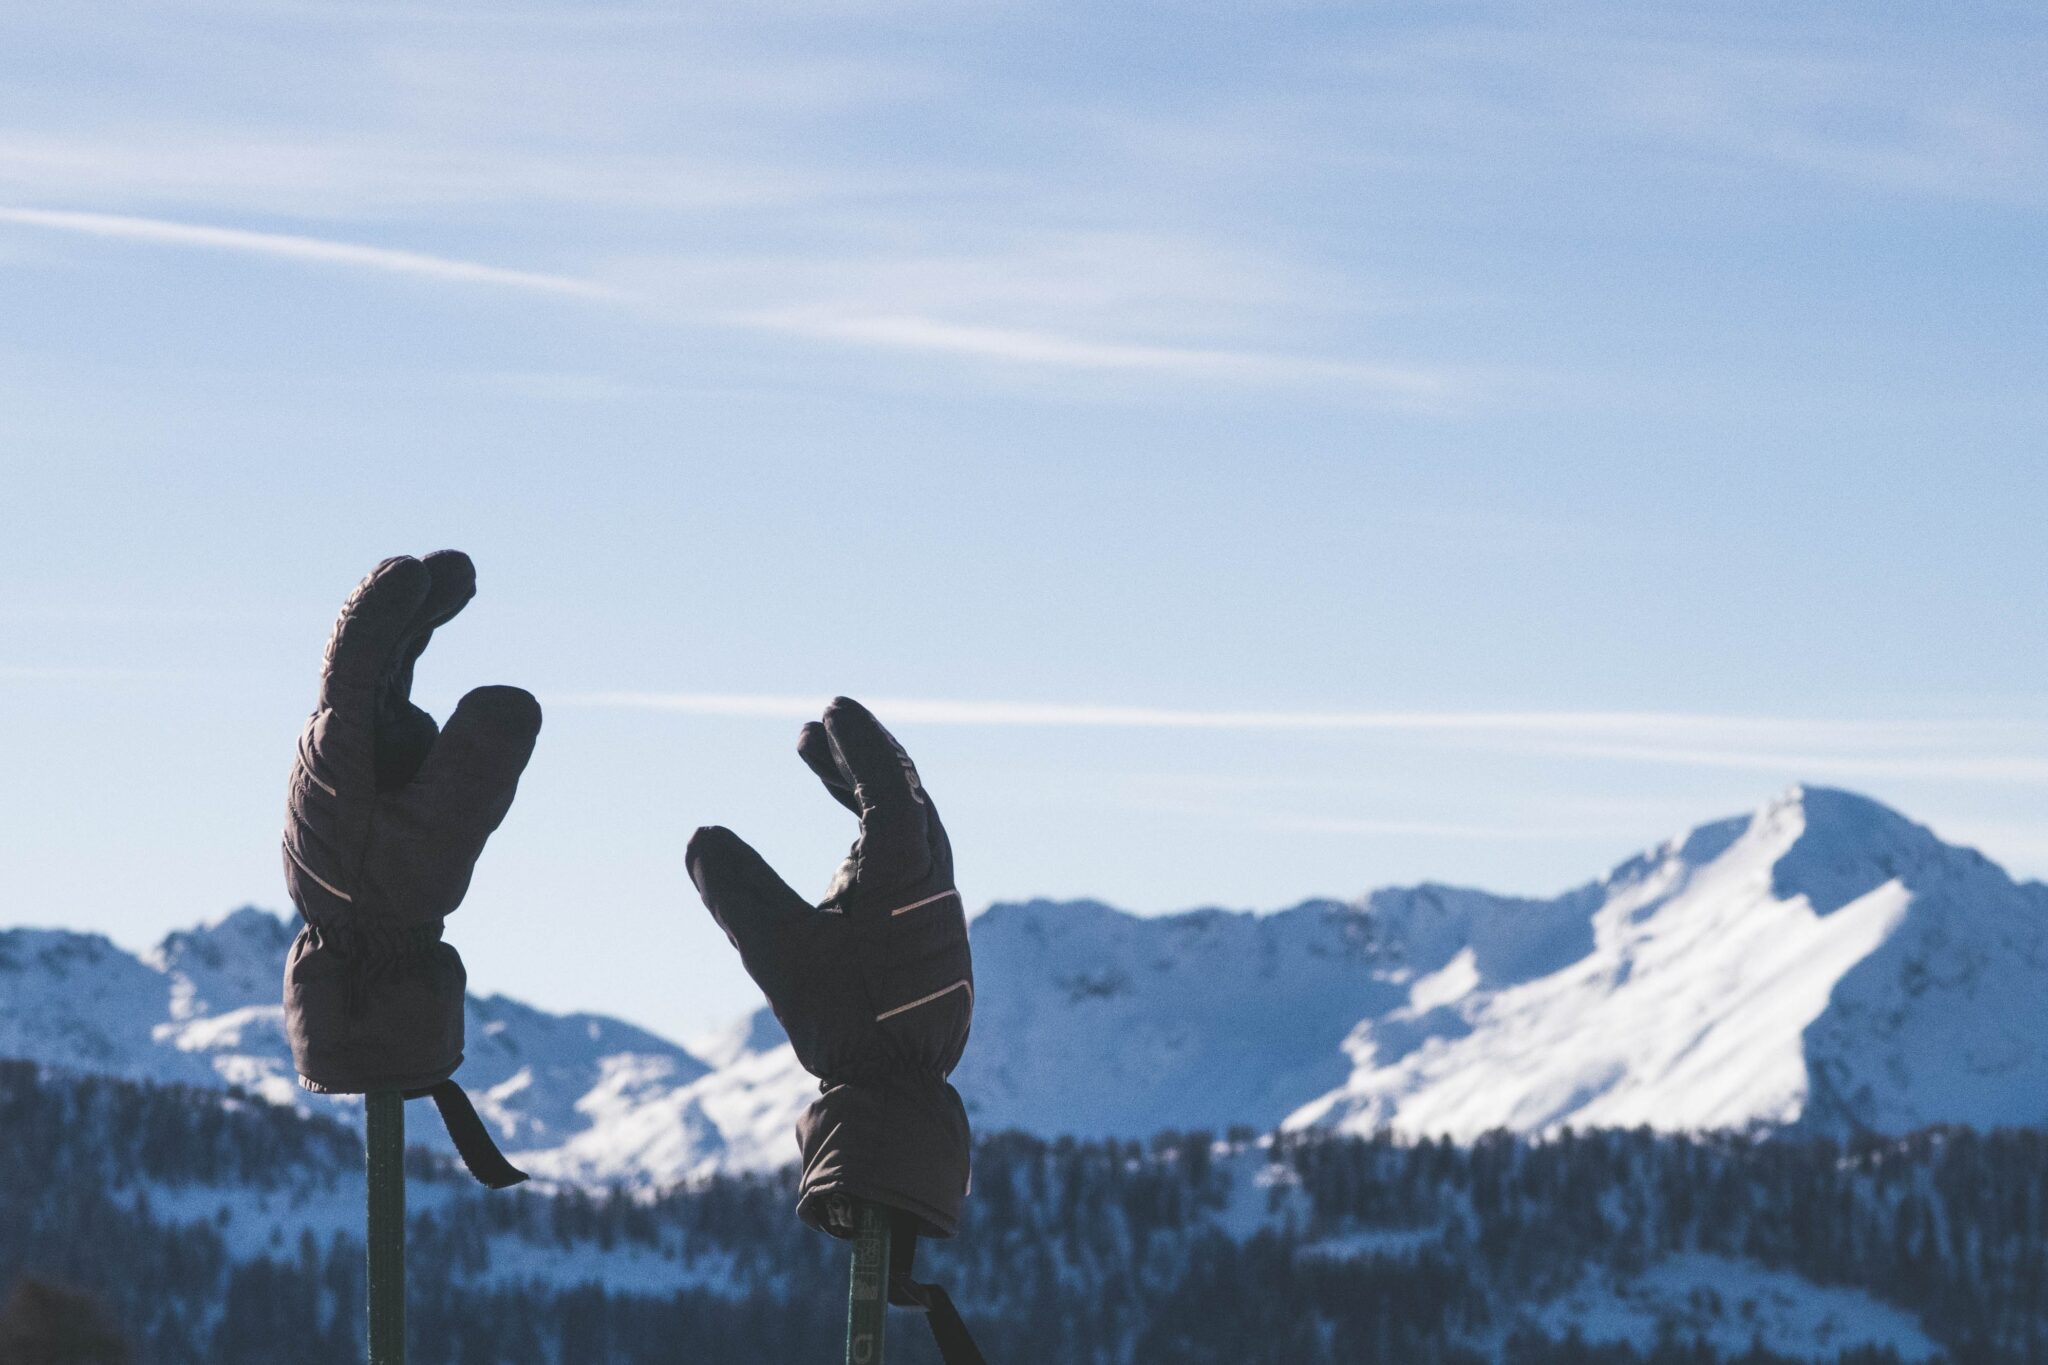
(1972, 751)
(315, 250)
(937, 711)
(1103, 302)
(1022, 346)
(1014, 346)
(1644, 724)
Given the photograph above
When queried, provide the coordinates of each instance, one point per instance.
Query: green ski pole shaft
(386, 1122)
(867, 1299)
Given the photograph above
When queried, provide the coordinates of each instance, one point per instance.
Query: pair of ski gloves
(388, 813)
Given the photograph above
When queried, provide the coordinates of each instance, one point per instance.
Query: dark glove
(873, 985)
(385, 819)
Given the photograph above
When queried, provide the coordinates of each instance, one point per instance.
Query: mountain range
(1822, 964)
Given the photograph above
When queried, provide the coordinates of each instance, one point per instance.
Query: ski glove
(873, 985)
(384, 820)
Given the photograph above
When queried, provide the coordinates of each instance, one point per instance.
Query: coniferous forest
(193, 1228)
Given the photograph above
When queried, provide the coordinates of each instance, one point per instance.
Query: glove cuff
(900, 1143)
(377, 1009)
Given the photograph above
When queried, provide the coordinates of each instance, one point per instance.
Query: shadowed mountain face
(1823, 963)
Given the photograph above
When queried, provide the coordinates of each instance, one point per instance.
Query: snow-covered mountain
(203, 1008)
(1823, 962)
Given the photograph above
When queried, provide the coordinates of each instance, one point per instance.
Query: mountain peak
(248, 931)
(231, 963)
(1843, 846)
(1839, 807)
(1823, 843)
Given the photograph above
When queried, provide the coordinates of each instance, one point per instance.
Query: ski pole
(867, 1298)
(386, 1143)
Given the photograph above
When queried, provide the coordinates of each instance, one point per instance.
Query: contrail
(1617, 726)
(1053, 350)
(1009, 346)
(319, 250)
(1999, 752)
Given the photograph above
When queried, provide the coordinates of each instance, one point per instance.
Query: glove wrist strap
(472, 1140)
(949, 1333)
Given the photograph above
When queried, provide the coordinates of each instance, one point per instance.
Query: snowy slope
(203, 1008)
(75, 1000)
(1822, 962)
(1211, 1017)
(1825, 962)
(1730, 1305)
(217, 1221)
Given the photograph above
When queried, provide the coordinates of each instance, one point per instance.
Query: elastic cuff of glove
(360, 1084)
(904, 1145)
(373, 1012)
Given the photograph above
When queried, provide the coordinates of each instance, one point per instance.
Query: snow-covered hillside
(203, 1008)
(206, 1225)
(1823, 962)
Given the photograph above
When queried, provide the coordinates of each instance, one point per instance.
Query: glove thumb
(766, 920)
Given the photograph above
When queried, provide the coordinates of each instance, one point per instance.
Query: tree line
(189, 1226)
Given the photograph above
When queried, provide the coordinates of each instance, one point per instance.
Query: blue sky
(1248, 451)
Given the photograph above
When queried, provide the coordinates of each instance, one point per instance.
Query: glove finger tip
(841, 709)
(398, 577)
(732, 877)
(515, 708)
(450, 566)
(453, 585)
(708, 849)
